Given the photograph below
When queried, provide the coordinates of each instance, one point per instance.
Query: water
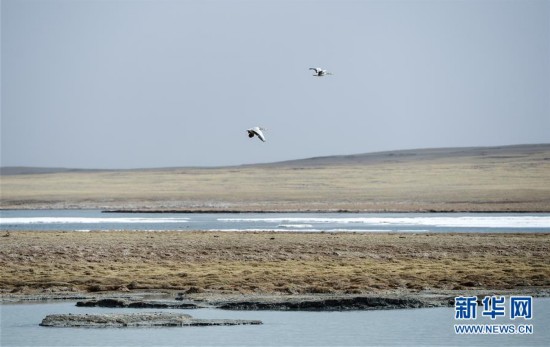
(86, 220)
(19, 322)
(432, 326)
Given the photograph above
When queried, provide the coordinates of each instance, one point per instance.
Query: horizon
(280, 161)
(136, 84)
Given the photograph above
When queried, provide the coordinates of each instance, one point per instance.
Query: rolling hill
(482, 179)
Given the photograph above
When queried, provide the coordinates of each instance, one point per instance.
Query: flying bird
(256, 131)
(319, 72)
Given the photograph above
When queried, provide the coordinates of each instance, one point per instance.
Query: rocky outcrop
(279, 303)
(150, 319)
(332, 304)
(123, 303)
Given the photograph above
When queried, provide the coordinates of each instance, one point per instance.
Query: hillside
(401, 156)
(508, 178)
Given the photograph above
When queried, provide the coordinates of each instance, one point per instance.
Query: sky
(142, 84)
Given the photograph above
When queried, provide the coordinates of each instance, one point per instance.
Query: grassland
(494, 179)
(488, 179)
(272, 263)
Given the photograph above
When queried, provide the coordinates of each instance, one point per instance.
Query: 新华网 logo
(494, 307)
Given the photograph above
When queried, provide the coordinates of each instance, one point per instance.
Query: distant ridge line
(362, 158)
(414, 154)
(29, 170)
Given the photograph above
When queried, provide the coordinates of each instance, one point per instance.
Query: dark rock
(315, 302)
(330, 304)
(157, 304)
(150, 319)
(89, 303)
(122, 303)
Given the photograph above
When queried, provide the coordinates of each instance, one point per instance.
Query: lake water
(86, 220)
(413, 327)
(435, 326)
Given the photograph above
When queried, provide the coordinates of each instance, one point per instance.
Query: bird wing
(260, 134)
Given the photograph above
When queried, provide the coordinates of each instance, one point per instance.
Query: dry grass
(467, 183)
(272, 262)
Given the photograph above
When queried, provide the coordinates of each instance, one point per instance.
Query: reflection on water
(433, 326)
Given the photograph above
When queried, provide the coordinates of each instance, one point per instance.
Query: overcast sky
(134, 84)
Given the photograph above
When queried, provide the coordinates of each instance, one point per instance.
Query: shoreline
(168, 300)
(272, 211)
(215, 211)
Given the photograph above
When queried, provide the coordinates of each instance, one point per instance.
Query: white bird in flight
(257, 131)
(320, 72)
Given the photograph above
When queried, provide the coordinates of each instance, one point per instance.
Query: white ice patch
(458, 221)
(295, 226)
(85, 220)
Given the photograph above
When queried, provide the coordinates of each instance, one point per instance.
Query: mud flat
(149, 319)
(283, 302)
(125, 303)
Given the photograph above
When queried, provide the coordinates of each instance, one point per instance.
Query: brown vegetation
(501, 179)
(235, 262)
